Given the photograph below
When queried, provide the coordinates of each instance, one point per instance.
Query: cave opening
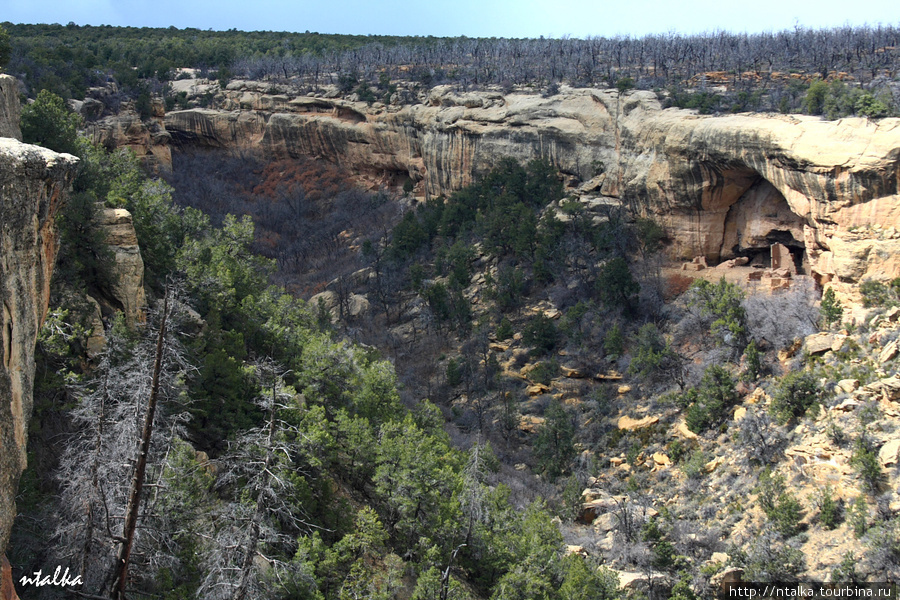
(758, 220)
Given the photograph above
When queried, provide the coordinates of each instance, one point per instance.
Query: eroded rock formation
(33, 181)
(723, 186)
(126, 290)
(9, 108)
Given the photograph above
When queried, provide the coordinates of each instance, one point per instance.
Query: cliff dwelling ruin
(747, 218)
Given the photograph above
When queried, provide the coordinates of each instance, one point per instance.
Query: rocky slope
(33, 182)
(721, 185)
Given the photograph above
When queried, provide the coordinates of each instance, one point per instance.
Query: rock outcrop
(721, 185)
(126, 291)
(33, 182)
(148, 140)
(9, 108)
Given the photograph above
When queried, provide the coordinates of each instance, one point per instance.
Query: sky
(473, 18)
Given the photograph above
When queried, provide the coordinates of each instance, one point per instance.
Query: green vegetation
(830, 310)
(711, 400)
(654, 358)
(865, 460)
(858, 516)
(49, 123)
(876, 293)
(5, 47)
(829, 509)
(554, 447)
(721, 303)
(781, 507)
(265, 382)
(798, 393)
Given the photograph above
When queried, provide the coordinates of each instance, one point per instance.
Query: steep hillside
(687, 422)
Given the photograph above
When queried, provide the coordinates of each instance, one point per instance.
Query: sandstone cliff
(32, 183)
(9, 108)
(127, 287)
(721, 185)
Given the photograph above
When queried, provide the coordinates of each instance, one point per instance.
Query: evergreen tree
(554, 447)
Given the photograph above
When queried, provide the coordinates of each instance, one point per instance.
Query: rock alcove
(750, 216)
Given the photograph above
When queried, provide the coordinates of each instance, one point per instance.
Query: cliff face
(32, 183)
(9, 108)
(721, 186)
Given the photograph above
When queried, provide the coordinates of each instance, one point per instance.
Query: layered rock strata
(722, 186)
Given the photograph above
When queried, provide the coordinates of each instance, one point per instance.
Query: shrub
(617, 286)
(541, 334)
(858, 515)
(846, 571)
(754, 362)
(454, 373)
(544, 372)
(865, 460)
(693, 467)
(505, 329)
(554, 447)
(613, 341)
(769, 559)
(781, 507)
(830, 309)
(510, 289)
(624, 84)
(714, 396)
(5, 48)
(654, 357)
(883, 550)
(797, 393)
(49, 122)
(722, 304)
(875, 293)
(760, 438)
(829, 509)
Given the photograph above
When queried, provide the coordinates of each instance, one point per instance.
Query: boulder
(726, 577)
(889, 455)
(629, 424)
(661, 459)
(537, 389)
(818, 343)
(888, 388)
(637, 581)
(889, 352)
(572, 373)
(848, 385)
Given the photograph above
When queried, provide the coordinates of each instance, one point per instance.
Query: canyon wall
(720, 185)
(33, 181)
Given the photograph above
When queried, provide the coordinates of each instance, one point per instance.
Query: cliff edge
(722, 186)
(33, 182)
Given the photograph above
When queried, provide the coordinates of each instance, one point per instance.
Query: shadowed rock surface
(33, 181)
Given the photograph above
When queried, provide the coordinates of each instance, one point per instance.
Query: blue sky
(475, 18)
